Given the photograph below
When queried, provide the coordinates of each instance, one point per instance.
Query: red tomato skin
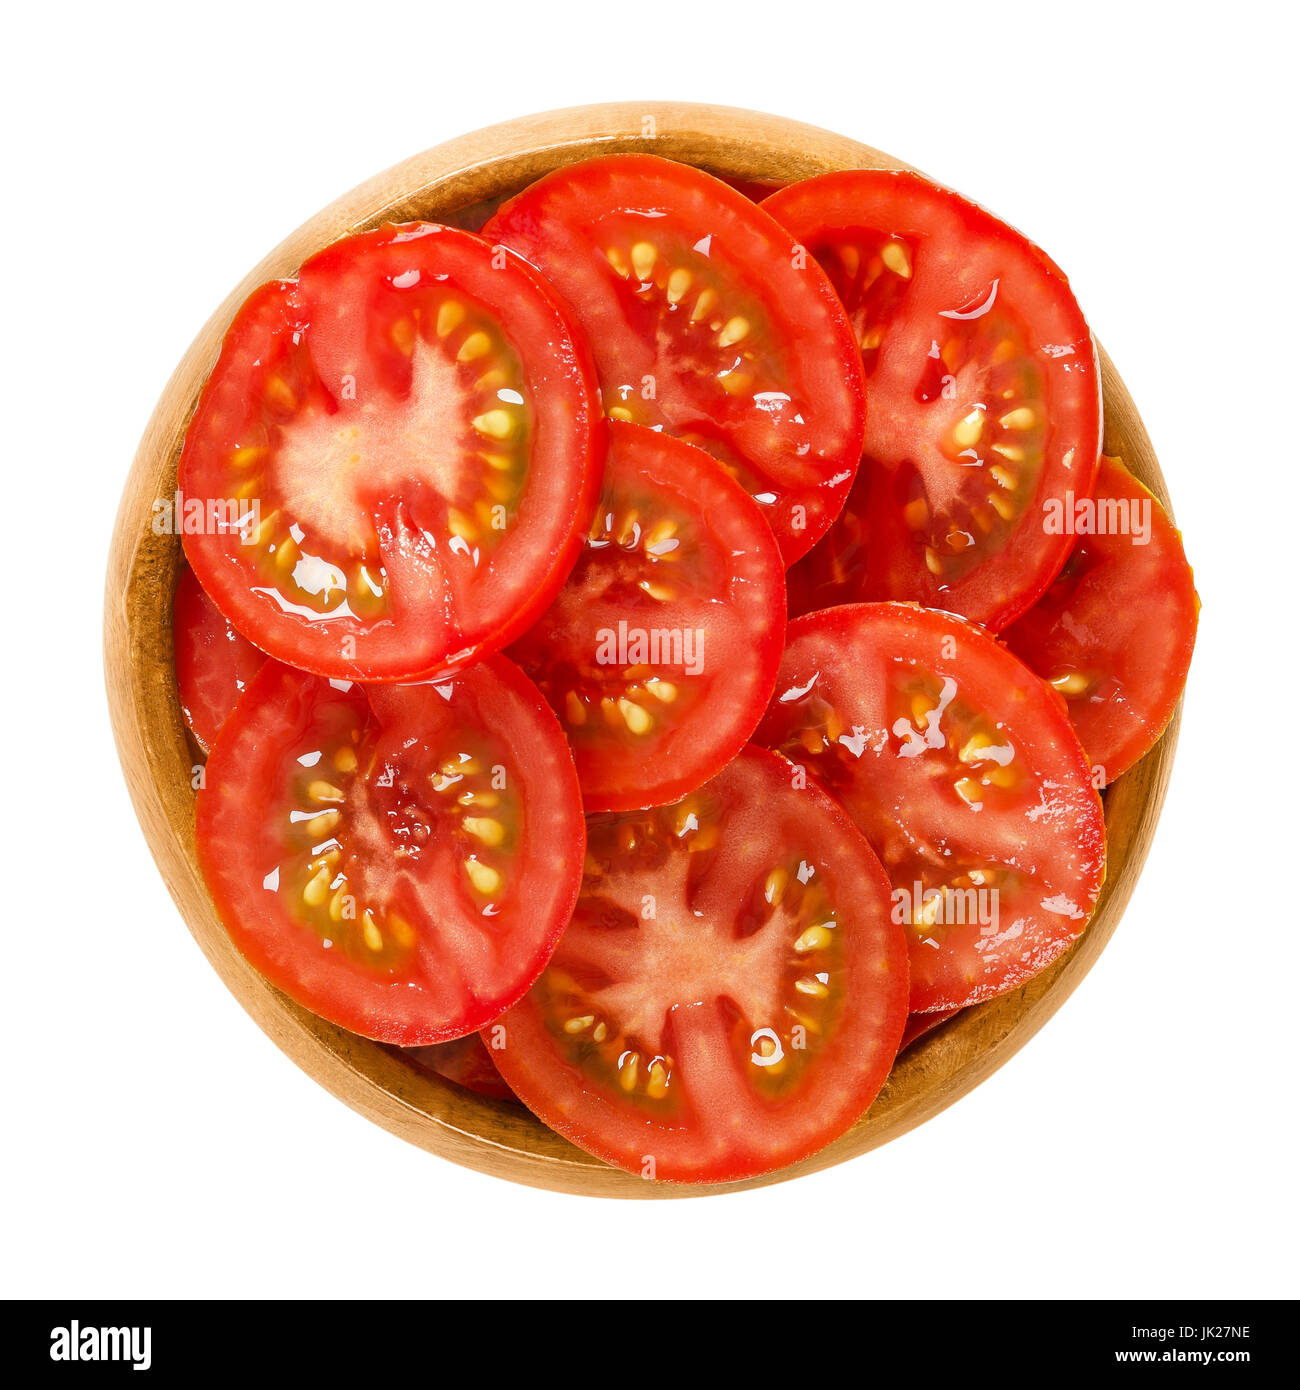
(850, 1076)
(1129, 611)
(918, 1025)
(467, 1062)
(826, 353)
(889, 812)
(240, 845)
(262, 335)
(882, 559)
(214, 664)
(738, 544)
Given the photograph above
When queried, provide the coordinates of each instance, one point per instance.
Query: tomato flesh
(731, 992)
(660, 653)
(1114, 634)
(707, 321)
(214, 664)
(961, 768)
(403, 870)
(983, 396)
(405, 442)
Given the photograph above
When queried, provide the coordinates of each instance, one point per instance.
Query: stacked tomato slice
(537, 785)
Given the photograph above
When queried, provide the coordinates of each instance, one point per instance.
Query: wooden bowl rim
(456, 181)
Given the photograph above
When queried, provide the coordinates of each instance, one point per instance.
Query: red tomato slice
(214, 664)
(1114, 634)
(706, 320)
(983, 397)
(467, 1062)
(661, 651)
(918, 1025)
(730, 994)
(417, 426)
(405, 871)
(961, 768)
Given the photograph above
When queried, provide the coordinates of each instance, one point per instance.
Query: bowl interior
(461, 183)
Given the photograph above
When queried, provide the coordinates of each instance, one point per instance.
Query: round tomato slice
(661, 651)
(983, 397)
(403, 870)
(961, 768)
(705, 320)
(731, 992)
(391, 466)
(467, 1062)
(214, 664)
(1114, 633)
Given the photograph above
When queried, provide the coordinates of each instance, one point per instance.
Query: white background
(156, 1143)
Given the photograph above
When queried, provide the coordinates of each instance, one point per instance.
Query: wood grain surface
(461, 182)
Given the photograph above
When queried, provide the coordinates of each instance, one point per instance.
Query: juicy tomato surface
(466, 1061)
(214, 664)
(394, 458)
(660, 653)
(706, 320)
(731, 992)
(983, 397)
(1114, 634)
(961, 768)
(403, 870)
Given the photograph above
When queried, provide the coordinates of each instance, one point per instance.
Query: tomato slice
(730, 994)
(706, 320)
(918, 1025)
(467, 1062)
(1114, 634)
(983, 397)
(214, 664)
(403, 871)
(395, 457)
(661, 651)
(961, 768)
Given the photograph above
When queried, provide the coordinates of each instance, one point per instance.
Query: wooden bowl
(461, 182)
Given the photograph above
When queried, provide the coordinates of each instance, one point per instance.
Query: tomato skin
(715, 1118)
(963, 771)
(717, 579)
(214, 664)
(467, 1062)
(968, 281)
(308, 779)
(918, 1025)
(394, 590)
(1120, 621)
(782, 406)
